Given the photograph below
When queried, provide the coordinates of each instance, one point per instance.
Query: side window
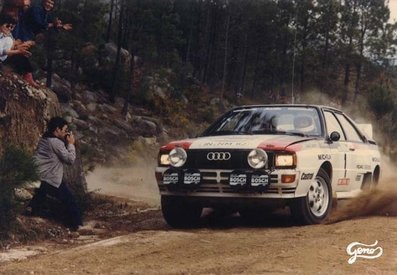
(333, 125)
(351, 132)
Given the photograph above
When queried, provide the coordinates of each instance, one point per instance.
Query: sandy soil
(225, 248)
(227, 244)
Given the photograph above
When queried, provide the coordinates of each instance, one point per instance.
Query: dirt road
(224, 247)
(228, 245)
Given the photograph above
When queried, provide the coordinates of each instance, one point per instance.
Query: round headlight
(177, 157)
(257, 158)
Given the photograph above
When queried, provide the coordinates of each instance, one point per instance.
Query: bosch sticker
(343, 181)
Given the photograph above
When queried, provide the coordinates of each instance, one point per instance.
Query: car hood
(269, 142)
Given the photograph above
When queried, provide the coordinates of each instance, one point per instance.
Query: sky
(393, 10)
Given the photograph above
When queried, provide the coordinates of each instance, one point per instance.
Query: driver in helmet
(304, 124)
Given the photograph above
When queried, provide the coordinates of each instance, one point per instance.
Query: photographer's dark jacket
(50, 155)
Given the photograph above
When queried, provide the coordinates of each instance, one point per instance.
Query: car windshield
(301, 121)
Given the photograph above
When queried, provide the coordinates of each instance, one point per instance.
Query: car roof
(287, 105)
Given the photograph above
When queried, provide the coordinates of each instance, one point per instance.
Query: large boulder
(62, 88)
(100, 61)
(24, 112)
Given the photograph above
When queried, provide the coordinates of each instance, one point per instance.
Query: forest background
(338, 52)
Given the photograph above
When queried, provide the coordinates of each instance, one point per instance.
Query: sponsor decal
(224, 143)
(366, 251)
(170, 178)
(191, 178)
(238, 179)
(259, 180)
(307, 176)
(358, 178)
(375, 159)
(363, 167)
(311, 145)
(343, 181)
(324, 157)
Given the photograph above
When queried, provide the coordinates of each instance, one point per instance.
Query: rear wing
(366, 129)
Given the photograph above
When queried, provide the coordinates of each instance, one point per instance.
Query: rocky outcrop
(102, 129)
(23, 112)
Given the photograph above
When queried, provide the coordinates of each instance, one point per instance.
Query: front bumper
(215, 184)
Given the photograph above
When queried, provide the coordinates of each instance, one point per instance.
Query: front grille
(218, 182)
(197, 159)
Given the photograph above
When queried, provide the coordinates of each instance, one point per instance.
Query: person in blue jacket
(35, 19)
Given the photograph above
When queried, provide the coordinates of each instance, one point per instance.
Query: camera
(68, 133)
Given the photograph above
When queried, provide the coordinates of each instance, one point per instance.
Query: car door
(357, 161)
(339, 153)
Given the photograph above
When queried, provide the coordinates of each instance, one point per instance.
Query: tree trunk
(109, 29)
(346, 81)
(256, 72)
(131, 84)
(117, 61)
(359, 65)
(225, 59)
(244, 69)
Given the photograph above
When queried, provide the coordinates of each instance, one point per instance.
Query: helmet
(304, 123)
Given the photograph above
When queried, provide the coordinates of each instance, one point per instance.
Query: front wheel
(316, 205)
(180, 213)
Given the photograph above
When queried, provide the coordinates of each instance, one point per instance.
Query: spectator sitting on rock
(12, 54)
(38, 18)
(22, 32)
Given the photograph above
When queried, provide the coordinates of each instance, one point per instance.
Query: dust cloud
(136, 182)
(379, 201)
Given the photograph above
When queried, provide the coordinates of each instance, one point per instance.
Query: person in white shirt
(12, 54)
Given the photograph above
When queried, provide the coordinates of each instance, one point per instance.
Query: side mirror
(335, 136)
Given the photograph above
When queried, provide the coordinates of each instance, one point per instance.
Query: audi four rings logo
(219, 156)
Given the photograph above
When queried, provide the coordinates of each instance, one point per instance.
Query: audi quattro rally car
(302, 156)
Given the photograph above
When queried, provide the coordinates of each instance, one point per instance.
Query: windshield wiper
(228, 133)
(296, 134)
(279, 132)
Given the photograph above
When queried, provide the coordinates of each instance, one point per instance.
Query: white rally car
(303, 156)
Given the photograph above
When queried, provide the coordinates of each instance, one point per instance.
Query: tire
(179, 213)
(315, 207)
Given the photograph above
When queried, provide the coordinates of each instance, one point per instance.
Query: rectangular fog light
(287, 178)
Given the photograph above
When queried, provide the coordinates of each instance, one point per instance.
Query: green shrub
(16, 167)
(381, 101)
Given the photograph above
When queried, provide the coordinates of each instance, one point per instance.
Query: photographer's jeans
(65, 196)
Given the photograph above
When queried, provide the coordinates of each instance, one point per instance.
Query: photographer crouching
(56, 148)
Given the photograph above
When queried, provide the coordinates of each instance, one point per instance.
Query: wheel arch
(376, 174)
(327, 167)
